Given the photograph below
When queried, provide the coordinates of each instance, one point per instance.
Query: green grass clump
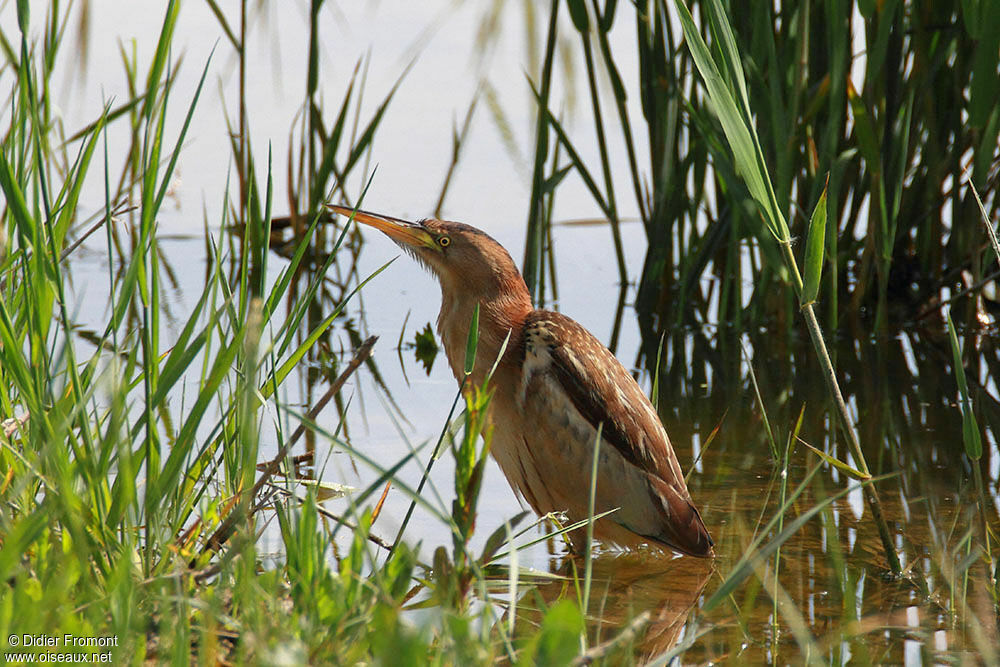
(133, 498)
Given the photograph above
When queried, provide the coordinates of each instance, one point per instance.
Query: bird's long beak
(403, 231)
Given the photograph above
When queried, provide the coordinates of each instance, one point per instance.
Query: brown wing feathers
(644, 445)
(585, 388)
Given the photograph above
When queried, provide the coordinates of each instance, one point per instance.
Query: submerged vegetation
(145, 463)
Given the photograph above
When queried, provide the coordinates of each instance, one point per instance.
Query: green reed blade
(815, 243)
(970, 427)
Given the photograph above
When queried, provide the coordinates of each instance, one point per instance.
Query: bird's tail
(682, 527)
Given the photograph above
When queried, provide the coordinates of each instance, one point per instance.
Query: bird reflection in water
(639, 601)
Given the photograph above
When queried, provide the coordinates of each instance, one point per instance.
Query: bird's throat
(500, 323)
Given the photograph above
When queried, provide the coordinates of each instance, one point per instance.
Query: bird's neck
(503, 306)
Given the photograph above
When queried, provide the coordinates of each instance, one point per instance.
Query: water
(831, 597)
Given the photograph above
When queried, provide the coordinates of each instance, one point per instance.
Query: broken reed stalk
(228, 526)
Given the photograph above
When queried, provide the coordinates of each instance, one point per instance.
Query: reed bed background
(894, 103)
(859, 142)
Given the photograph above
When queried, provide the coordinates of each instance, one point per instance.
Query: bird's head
(464, 259)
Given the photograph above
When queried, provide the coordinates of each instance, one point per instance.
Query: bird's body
(554, 386)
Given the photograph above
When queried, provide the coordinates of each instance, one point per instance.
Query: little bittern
(553, 388)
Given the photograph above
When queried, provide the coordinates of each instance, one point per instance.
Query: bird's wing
(602, 391)
(562, 357)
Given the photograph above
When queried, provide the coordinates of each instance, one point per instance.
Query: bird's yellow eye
(444, 241)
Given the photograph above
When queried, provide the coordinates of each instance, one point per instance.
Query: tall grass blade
(815, 243)
(532, 266)
(730, 108)
(970, 428)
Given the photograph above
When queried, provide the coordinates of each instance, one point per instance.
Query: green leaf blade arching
(815, 242)
(732, 110)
